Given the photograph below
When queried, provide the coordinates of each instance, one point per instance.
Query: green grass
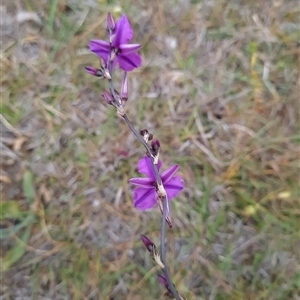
(224, 105)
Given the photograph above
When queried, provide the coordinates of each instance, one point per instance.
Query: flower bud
(107, 96)
(155, 146)
(104, 70)
(143, 132)
(94, 72)
(162, 280)
(149, 245)
(146, 135)
(110, 23)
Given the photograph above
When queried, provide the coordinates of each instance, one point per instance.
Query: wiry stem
(164, 212)
(159, 181)
(136, 133)
(163, 250)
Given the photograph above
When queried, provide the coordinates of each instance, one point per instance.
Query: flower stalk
(155, 188)
(164, 212)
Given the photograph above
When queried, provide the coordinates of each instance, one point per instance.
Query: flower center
(113, 53)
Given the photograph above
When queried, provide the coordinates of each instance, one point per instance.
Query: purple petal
(173, 187)
(123, 32)
(129, 62)
(99, 45)
(168, 174)
(145, 167)
(144, 198)
(142, 182)
(101, 48)
(125, 49)
(103, 55)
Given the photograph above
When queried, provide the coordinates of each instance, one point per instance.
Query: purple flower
(119, 51)
(145, 195)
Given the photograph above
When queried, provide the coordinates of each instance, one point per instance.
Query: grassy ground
(218, 88)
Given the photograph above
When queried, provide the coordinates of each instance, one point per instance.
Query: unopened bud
(149, 245)
(143, 132)
(94, 72)
(146, 135)
(163, 281)
(104, 69)
(110, 23)
(155, 146)
(107, 96)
